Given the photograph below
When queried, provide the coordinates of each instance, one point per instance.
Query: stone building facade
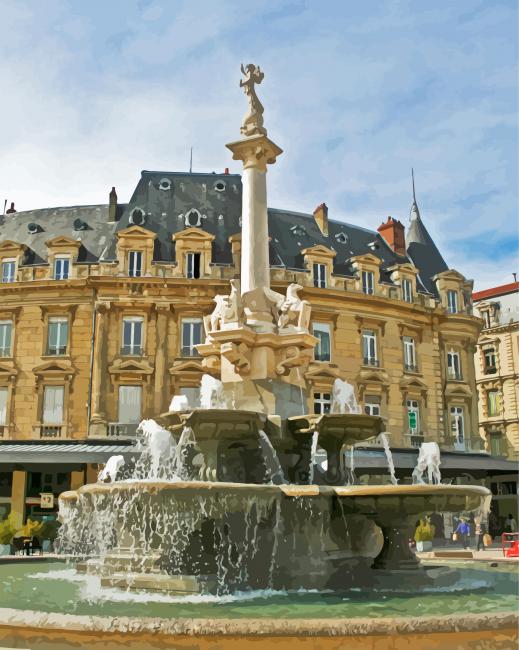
(101, 308)
(497, 378)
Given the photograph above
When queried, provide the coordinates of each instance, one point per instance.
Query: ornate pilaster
(161, 352)
(97, 425)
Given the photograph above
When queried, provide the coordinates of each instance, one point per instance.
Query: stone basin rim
(361, 626)
(288, 490)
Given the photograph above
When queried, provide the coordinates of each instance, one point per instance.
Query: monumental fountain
(227, 497)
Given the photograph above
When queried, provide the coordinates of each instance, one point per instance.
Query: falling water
(343, 398)
(301, 394)
(389, 457)
(188, 457)
(313, 455)
(158, 450)
(352, 466)
(179, 403)
(271, 459)
(211, 393)
(111, 469)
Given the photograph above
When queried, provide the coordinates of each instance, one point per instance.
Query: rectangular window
(53, 399)
(3, 406)
(454, 365)
(372, 405)
(452, 301)
(132, 335)
(407, 290)
(490, 361)
(191, 336)
(493, 403)
(130, 404)
(192, 265)
(368, 282)
(458, 424)
(409, 354)
(6, 335)
(8, 271)
(61, 268)
(320, 276)
(495, 445)
(369, 348)
(413, 416)
(135, 264)
(57, 336)
(323, 348)
(322, 403)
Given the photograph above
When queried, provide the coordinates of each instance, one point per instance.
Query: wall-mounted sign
(412, 420)
(46, 500)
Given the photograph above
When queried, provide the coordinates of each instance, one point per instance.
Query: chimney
(394, 233)
(11, 209)
(112, 206)
(321, 218)
(226, 171)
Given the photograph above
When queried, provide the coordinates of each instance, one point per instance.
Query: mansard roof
(167, 203)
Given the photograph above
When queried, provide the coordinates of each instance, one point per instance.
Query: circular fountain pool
(56, 587)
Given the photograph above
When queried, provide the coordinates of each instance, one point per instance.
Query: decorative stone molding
(136, 369)
(135, 238)
(193, 240)
(370, 322)
(372, 381)
(53, 371)
(318, 254)
(411, 329)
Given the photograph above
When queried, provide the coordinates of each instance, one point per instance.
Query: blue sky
(356, 93)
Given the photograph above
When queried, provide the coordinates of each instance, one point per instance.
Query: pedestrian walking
(480, 530)
(462, 532)
(510, 524)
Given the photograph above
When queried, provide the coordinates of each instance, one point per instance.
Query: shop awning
(372, 460)
(62, 452)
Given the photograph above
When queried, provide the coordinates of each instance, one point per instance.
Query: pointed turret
(421, 248)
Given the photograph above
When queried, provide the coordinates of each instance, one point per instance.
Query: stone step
(455, 554)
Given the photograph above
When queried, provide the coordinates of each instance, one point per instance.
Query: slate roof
(423, 251)
(165, 198)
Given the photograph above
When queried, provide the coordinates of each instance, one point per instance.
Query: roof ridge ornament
(415, 212)
(253, 120)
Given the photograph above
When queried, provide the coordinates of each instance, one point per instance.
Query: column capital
(256, 151)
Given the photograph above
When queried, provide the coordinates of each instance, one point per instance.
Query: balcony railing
(414, 439)
(132, 351)
(56, 350)
(50, 430)
(371, 361)
(410, 367)
(490, 370)
(455, 376)
(4, 430)
(5, 352)
(122, 429)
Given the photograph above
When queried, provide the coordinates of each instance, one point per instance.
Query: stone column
(161, 351)
(256, 152)
(18, 488)
(99, 372)
(396, 554)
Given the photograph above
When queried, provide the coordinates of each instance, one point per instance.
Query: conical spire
(415, 212)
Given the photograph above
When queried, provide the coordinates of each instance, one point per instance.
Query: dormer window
(61, 268)
(8, 270)
(135, 264)
(192, 265)
(319, 273)
(219, 186)
(407, 290)
(193, 219)
(368, 282)
(452, 301)
(341, 237)
(165, 184)
(137, 217)
(298, 231)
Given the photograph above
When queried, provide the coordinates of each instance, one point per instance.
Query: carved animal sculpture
(428, 459)
(112, 467)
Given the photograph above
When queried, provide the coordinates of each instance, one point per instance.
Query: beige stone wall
(504, 339)
(163, 300)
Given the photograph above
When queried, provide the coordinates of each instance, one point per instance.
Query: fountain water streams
(428, 459)
(212, 394)
(111, 469)
(271, 460)
(158, 449)
(389, 457)
(313, 454)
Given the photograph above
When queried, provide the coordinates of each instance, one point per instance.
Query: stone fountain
(227, 497)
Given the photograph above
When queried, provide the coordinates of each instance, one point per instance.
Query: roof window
(79, 224)
(137, 217)
(341, 237)
(193, 218)
(165, 184)
(219, 186)
(298, 231)
(33, 228)
(374, 245)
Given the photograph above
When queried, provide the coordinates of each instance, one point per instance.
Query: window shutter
(3, 406)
